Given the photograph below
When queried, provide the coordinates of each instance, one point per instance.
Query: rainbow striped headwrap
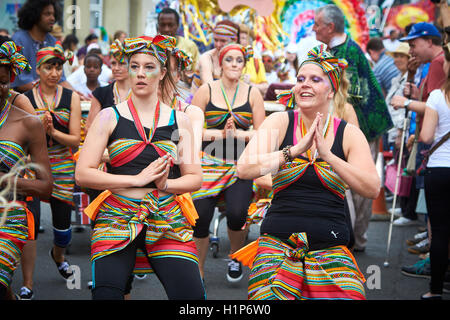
(183, 59)
(10, 54)
(117, 50)
(48, 53)
(246, 51)
(331, 65)
(226, 31)
(156, 46)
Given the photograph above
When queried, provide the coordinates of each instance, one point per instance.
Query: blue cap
(421, 29)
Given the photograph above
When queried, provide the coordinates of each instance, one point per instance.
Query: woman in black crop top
(313, 157)
(141, 223)
(21, 135)
(230, 107)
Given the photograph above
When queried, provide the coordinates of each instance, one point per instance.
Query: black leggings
(111, 274)
(61, 213)
(237, 201)
(437, 186)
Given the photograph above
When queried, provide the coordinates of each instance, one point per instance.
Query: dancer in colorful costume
(139, 223)
(301, 252)
(231, 107)
(208, 68)
(60, 112)
(20, 135)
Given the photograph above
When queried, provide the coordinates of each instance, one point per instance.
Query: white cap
(93, 45)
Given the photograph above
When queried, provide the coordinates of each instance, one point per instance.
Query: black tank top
(230, 149)
(105, 95)
(126, 129)
(307, 206)
(64, 103)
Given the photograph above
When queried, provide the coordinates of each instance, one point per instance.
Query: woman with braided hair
(231, 107)
(313, 157)
(60, 111)
(20, 135)
(139, 223)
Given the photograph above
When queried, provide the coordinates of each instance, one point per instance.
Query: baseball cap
(421, 29)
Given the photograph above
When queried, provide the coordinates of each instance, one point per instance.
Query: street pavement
(383, 283)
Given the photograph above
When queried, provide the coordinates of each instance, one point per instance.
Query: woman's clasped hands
(313, 139)
(157, 171)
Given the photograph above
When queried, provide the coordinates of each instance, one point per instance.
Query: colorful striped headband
(331, 65)
(117, 50)
(184, 60)
(156, 46)
(10, 54)
(226, 31)
(48, 53)
(246, 51)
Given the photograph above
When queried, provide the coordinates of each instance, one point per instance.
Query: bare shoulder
(353, 136)
(183, 119)
(193, 111)
(31, 122)
(277, 119)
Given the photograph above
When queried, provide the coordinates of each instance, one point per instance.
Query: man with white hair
(364, 94)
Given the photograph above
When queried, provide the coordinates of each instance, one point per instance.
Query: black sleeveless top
(105, 95)
(230, 149)
(307, 206)
(62, 110)
(126, 130)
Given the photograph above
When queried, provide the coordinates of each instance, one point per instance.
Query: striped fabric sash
(289, 271)
(217, 117)
(218, 174)
(62, 115)
(4, 113)
(121, 219)
(11, 153)
(124, 150)
(290, 172)
(14, 233)
(63, 171)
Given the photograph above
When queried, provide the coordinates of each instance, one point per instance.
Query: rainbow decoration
(290, 21)
(297, 18)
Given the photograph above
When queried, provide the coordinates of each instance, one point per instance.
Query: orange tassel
(92, 209)
(187, 207)
(76, 155)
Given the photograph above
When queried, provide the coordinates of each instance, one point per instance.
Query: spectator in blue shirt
(384, 68)
(36, 21)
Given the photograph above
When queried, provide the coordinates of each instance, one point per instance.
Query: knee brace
(61, 238)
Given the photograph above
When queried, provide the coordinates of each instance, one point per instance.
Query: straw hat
(57, 31)
(402, 48)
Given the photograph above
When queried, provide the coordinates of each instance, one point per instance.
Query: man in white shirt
(391, 43)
